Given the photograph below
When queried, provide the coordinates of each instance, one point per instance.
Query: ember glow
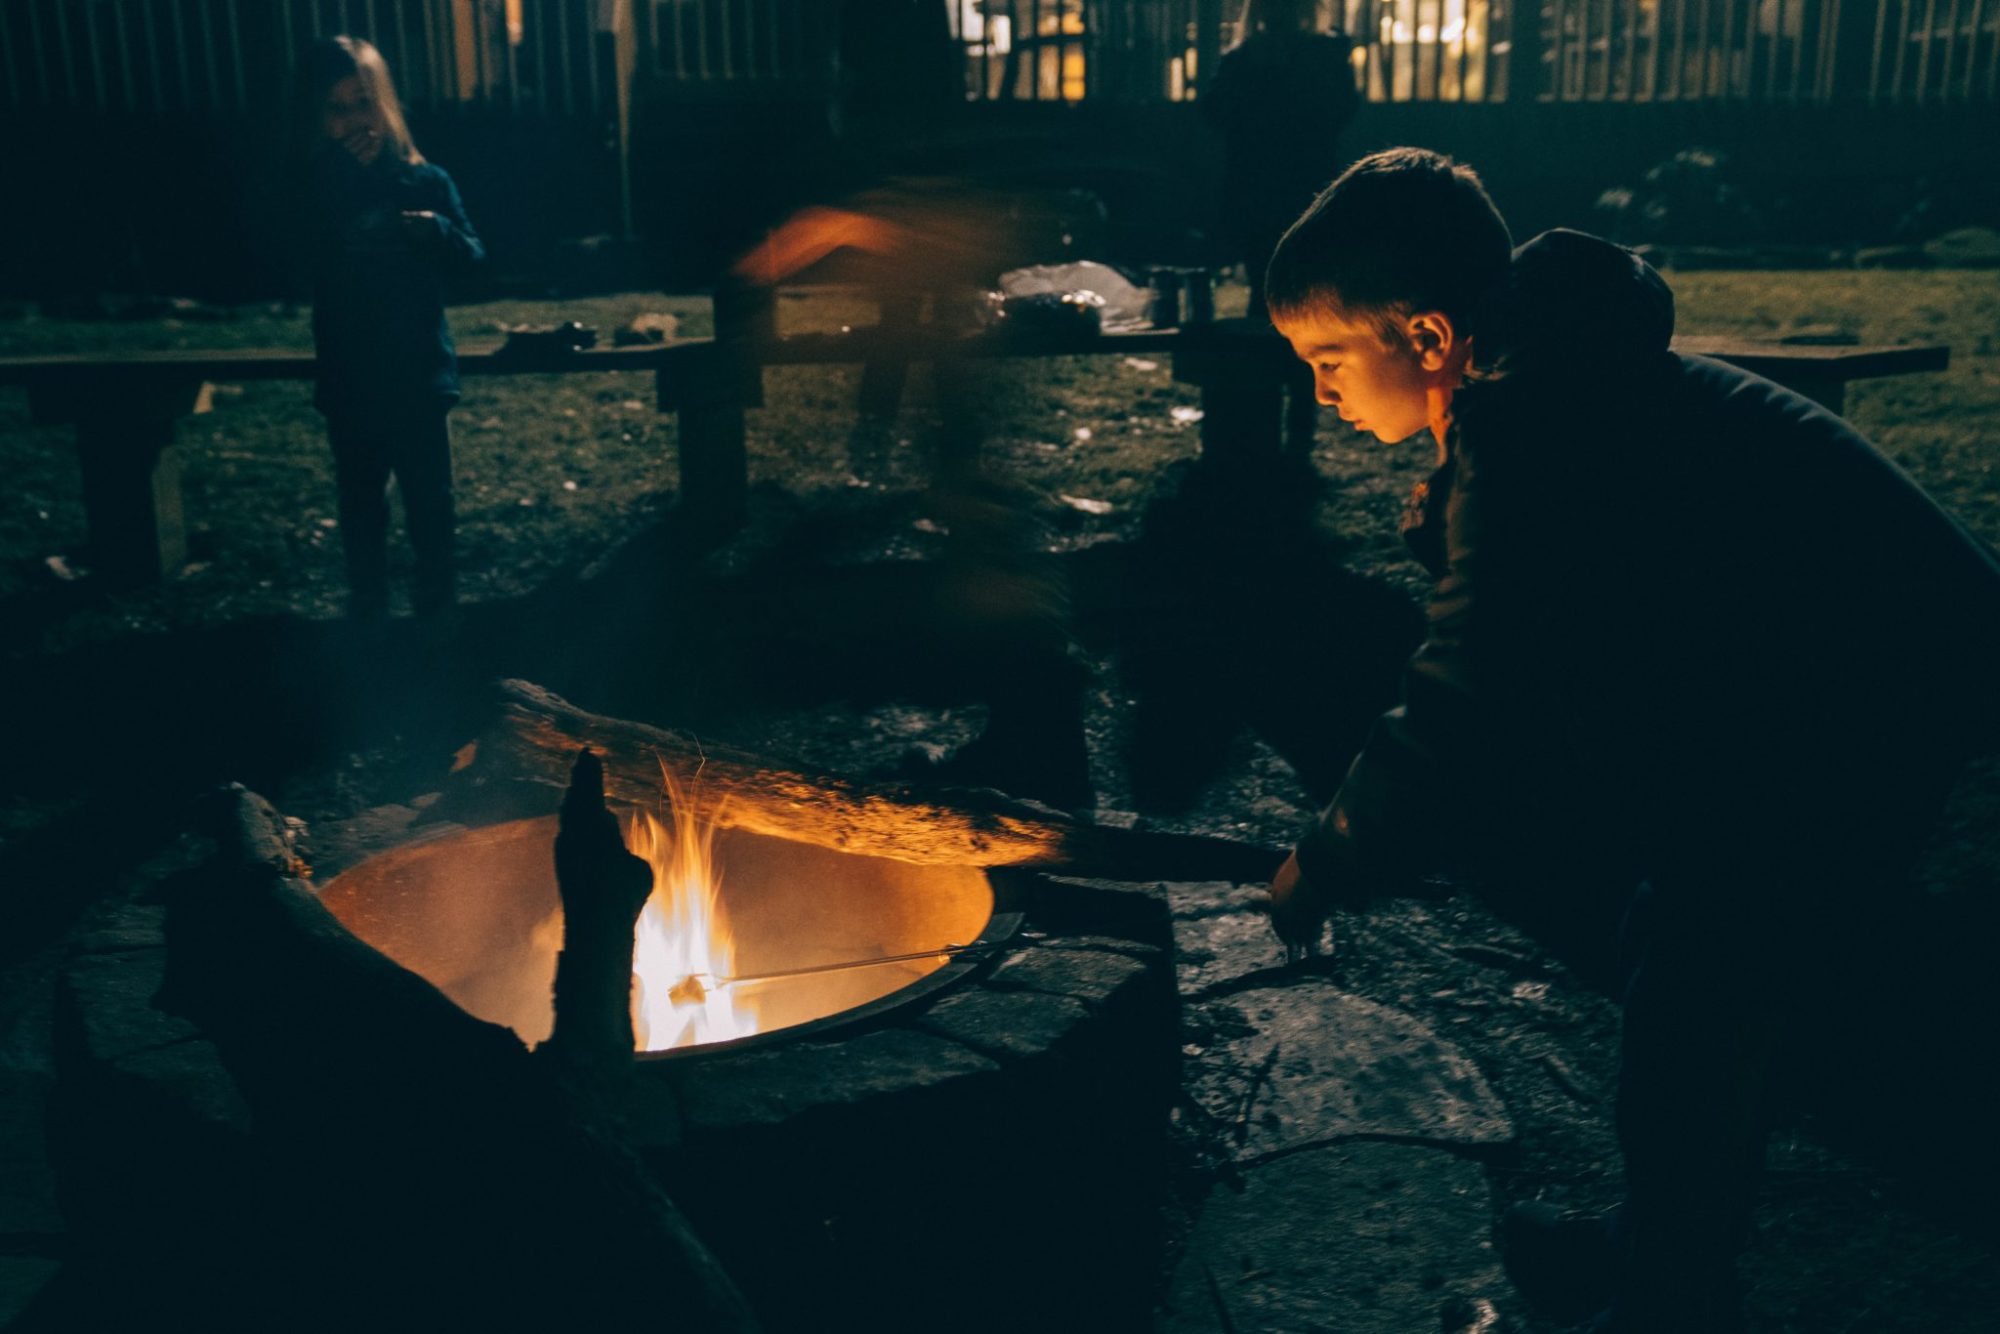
(683, 934)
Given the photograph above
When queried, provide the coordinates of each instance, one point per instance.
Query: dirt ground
(1291, 611)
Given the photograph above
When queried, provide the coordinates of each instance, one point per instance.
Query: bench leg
(715, 469)
(1241, 419)
(884, 375)
(132, 498)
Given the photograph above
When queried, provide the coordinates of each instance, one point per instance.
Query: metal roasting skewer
(695, 986)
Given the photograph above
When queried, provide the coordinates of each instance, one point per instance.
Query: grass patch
(551, 470)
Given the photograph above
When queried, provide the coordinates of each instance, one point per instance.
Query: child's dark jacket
(1681, 613)
(378, 291)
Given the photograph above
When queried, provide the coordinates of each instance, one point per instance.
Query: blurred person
(386, 231)
(1281, 99)
(1000, 609)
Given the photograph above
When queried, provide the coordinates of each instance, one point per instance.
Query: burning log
(418, 1154)
(532, 744)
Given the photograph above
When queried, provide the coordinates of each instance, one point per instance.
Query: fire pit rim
(1002, 925)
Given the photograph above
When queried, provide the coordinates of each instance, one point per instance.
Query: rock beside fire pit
(1322, 1241)
(1286, 1067)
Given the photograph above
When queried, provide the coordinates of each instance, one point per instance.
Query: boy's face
(1390, 389)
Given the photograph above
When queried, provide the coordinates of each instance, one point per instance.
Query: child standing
(387, 230)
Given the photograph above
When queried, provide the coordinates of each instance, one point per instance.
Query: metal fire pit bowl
(477, 914)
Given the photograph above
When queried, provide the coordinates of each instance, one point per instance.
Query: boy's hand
(1297, 908)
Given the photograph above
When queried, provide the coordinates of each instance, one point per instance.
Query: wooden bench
(124, 408)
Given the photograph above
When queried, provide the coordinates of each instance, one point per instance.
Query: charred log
(519, 763)
(604, 889)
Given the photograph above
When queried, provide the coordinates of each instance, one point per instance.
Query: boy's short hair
(1401, 231)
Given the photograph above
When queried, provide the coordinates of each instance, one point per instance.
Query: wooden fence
(564, 57)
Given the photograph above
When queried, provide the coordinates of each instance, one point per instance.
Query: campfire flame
(683, 940)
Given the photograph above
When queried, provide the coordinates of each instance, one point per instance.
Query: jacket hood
(1575, 298)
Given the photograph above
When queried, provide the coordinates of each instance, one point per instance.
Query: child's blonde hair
(332, 59)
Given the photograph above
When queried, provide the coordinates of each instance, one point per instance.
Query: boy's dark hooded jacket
(1683, 617)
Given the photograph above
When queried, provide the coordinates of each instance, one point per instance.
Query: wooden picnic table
(125, 406)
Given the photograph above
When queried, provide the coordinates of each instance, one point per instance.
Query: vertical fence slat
(1725, 53)
(1746, 84)
(1993, 66)
(211, 54)
(289, 47)
(1578, 85)
(1950, 50)
(1375, 66)
(1437, 52)
(589, 26)
(64, 54)
(1924, 52)
(1441, 52)
(1778, 10)
(1902, 51)
(150, 21)
(1680, 48)
(1607, 82)
(1821, 87)
(42, 81)
(1705, 56)
(513, 56)
(1420, 70)
(1470, 64)
(128, 92)
(70, 79)
(1631, 93)
(539, 28)
(1036, 51)
(181, 66)
(235, 25)
(425, 23)
(1972, 46)
(1807, 28)
(16, 79)
(562, 12)
(403, 37)
(1875, 56)
(1798, 49)
(476, 11)
(1656, 54)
